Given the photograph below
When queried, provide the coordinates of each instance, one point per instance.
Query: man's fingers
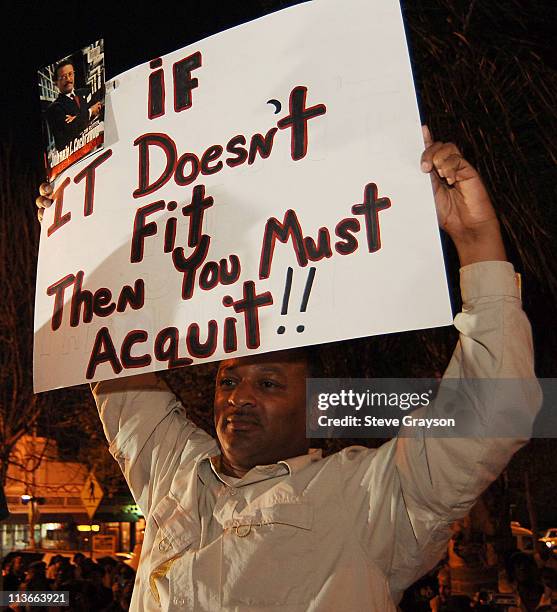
(443, 153)
(46, 189)
(453, 167)
(427, 156)
(449, 167)
(444, 157)
(428, 139)
(43, 202)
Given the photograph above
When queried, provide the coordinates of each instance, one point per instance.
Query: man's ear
(312, 415)
(311, 409)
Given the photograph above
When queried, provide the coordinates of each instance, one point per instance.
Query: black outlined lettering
(155, 104)
(164, 142)
(195, 211)
(127, 359)
(370, 208)
(103, 352)
(210, 155)
(209, 275)
(166, 348)
(275, 230)
(322, 249)
(57, 290)
(189, 265)
(262, 145)
(186, 179)
(59, 218)
(132, 297)
(230, 339)
(298, 120)
(103, 306)
(81, 297)
(183, 82)
(228, 276)
(238, 151)
(88, 173)
(142, 230)
(249, 305)
(170, 232)
(344, 230)
(199, 349)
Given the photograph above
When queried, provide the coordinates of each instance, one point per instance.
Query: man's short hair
(55, 559)
(61, 65)
(312, 356)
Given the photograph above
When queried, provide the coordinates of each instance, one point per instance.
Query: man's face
(259, 409)
(65, 78)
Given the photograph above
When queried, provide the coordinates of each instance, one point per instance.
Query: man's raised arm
(442, 477)
(148, 433)
(414, 487)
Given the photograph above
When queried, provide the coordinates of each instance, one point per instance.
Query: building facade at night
(44, 497)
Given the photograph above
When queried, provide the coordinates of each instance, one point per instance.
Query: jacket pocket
(268, 555)
(177, 533)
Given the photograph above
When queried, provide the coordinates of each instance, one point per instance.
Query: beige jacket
(346, 533)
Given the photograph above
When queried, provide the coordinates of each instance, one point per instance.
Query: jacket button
(164, 545)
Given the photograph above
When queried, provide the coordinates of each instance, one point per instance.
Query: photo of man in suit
(72, 111)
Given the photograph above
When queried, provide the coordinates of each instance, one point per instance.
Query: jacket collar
(208, 469)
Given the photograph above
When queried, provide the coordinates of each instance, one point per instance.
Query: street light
(33, 513)
(25, 499)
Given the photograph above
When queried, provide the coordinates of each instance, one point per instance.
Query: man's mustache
(242, 415)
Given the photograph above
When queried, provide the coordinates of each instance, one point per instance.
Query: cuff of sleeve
(488, 279)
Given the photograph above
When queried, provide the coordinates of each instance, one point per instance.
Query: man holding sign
(256, 519)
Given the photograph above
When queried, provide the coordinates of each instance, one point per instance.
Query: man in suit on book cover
(70, 114)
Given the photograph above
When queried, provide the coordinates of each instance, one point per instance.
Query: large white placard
(257, 191)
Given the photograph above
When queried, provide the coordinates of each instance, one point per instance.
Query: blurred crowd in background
(104, 585)
(526, 583)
